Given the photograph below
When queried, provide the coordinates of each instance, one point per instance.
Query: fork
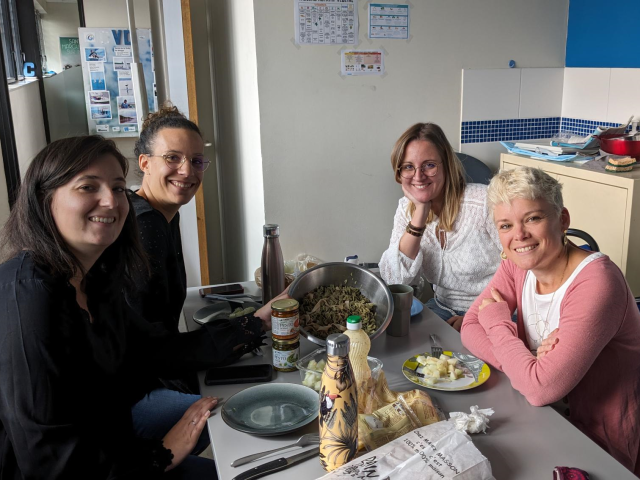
(303, 441)
(436, 349)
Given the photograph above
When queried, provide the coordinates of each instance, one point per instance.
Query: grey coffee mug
(402, 300)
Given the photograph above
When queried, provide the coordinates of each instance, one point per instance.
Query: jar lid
(271, 230)
(338, 344)
(286, 341)
(285, 305)
(354, 322)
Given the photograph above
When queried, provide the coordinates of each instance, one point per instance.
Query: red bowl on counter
(620, 145)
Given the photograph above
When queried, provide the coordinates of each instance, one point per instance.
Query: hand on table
(264, 313)
(496, 297)
(184, 435)
(548, 343)
(456, 322)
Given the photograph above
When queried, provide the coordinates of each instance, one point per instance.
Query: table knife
(277, 465)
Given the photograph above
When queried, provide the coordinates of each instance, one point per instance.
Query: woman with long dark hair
(73, 356)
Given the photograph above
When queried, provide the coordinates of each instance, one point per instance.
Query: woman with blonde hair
(442, 229)
(578, 329)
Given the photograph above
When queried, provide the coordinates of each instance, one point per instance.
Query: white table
(523, 442)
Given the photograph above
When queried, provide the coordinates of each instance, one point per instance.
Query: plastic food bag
(411, 410)
(437, 451)
(292, 268)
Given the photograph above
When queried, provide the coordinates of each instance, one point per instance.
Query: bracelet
(417, 229)
(413, 232)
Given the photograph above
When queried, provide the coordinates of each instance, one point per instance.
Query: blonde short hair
(454, 182)
(527, 183)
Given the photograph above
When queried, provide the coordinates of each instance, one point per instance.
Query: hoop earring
(503, 255)
(565, 240)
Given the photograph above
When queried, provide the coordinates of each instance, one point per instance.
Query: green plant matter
(325, 310)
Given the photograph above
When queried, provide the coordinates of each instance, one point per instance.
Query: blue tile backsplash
(526, 128)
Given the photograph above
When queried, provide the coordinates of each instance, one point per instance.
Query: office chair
(591, 243)
(476, 171)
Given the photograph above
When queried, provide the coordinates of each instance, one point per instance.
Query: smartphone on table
(262, 372)
(232, 289)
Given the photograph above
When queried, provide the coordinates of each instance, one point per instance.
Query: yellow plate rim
(485, 373)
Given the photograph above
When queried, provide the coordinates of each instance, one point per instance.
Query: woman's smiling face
(531, 232)
(90, 210)
(422, 187)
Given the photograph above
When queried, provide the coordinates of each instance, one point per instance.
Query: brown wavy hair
(31, 225)
(454, 182)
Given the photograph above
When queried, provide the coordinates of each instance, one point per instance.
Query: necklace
(542, 326)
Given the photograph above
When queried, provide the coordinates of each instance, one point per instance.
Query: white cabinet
(605, 205)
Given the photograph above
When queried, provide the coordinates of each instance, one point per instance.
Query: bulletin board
(106, 56)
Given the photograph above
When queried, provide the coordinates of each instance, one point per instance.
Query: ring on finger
(193, 422)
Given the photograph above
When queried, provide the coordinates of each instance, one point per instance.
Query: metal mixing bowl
(336, 273)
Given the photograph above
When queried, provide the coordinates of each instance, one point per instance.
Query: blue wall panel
(603, 34)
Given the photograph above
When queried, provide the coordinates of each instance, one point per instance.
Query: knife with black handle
(277, 465)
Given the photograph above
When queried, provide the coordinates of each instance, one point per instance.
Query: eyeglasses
(408, 170)
(175, 161)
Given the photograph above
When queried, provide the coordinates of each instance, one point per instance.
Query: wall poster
(69, 52)
(106, 56)
(326, 23)
(388, 21)
(362, 62)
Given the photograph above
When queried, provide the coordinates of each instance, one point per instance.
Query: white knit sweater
(462, 268)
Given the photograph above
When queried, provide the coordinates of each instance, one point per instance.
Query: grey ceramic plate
(271, 409)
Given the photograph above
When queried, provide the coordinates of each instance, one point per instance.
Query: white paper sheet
(326, 23)
(362, 62)
(388, 20)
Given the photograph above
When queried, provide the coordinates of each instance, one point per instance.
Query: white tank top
(541, 313)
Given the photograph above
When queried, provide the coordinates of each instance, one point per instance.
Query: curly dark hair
(167, 117)
(31, 225)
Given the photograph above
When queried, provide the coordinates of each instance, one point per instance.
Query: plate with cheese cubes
(451, 372)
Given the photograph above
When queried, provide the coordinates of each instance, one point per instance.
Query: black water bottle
(272, 264)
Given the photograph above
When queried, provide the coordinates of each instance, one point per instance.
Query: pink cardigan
(596, 361)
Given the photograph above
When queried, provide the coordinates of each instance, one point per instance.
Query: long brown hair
(31, 225)
(454, 182)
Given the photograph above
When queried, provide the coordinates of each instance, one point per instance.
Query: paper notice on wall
(388, 21)
(326, 23)
(362, 62)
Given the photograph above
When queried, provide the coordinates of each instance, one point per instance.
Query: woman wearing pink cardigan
(578, 328)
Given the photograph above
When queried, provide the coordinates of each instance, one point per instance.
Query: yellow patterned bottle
(338, 406)
(359, 347)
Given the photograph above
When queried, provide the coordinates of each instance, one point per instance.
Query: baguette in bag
(437, 451)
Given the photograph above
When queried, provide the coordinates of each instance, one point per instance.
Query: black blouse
(67, 384)
(160, 301)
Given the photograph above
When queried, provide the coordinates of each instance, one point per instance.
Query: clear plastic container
(321, 354)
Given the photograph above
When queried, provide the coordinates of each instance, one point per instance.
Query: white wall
(326, 139)
(601, 94)
(238, 143)
(61, 20)
(28, 123)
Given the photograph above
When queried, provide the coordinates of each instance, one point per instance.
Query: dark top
(67, 385)
(160, 301)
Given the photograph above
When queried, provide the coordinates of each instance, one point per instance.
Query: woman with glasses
(442, 229)
(170, 154)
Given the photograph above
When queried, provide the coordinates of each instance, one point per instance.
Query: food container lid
(271, 230)
(285, 305)
(338, 344)
(282, 342)
(354, 322)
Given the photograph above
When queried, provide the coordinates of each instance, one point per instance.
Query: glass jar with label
(286, 354)
(285, 321)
